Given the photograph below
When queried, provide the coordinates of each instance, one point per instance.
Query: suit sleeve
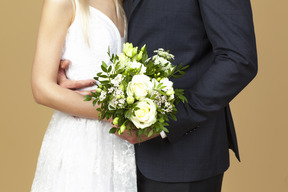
(230, 30)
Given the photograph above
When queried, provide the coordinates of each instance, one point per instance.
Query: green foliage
(105, 92)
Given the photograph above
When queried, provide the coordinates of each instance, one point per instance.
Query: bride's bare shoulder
(61, 10)
(67, 4)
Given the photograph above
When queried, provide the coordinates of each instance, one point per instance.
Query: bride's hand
(133, 139)
(64, 82)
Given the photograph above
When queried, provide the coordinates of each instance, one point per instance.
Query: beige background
(260, 111)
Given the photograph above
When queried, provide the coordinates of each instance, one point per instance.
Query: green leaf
(140, 132)
(103, 68)
(176, 76)
(173, 117)
(179, 66)
(94, 102)
(103, 76)
(93, 94)
(87, 98)
(185, 67)
(146, 132)
(150, 133)
(110, 69)
(104, 64)
(113, 130)
(165, 129)
(108, 52)
(105, 82)
(181, 72)
(161, 92)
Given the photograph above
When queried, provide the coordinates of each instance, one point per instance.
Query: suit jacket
(216, 38)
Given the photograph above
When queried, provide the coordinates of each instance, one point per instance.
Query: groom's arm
(229, 27)
(65, 82)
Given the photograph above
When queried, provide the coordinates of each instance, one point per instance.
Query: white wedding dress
(78, 154)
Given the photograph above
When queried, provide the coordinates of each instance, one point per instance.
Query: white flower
(111, 89)
(123, 60)
(168, 107)
(103, 95)
(160, 61)
(171, 97)
(145, 116)
(121, 103)
(112, 104)
(168, 68)
(139, 87)
(118, 92)
(117, 80)
(137, 65)
(161, 52)
(167, 83)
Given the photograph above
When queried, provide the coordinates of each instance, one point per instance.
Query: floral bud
(115, 121)
(121, 87)
(122, 96)
(98, 90)
(100, 86)
(171, 97)
(134, 51)
(143, 48)
(139, 56)
(127, 48)
(159, 79)
(122, 128)
(118, 96)
(158, 74)
(169, 92)
(130, 100)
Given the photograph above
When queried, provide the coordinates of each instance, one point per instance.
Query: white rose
(145, 116)
(139, 87)
(137, 65)
(166, 82)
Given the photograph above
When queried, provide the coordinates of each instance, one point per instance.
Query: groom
(216, 38)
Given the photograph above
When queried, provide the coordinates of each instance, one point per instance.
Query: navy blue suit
(216, 38)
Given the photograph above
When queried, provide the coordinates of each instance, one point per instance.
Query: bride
(78, 154)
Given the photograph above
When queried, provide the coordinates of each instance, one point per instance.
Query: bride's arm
(56, 18)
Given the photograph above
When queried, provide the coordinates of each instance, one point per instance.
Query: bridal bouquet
(136, 91)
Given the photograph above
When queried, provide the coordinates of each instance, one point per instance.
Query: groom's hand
(64, 82)
(133, 139)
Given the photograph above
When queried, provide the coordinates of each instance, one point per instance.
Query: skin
(50, 86)
(47, 85)
(70, 84)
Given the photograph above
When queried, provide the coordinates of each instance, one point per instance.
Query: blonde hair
(84, 13)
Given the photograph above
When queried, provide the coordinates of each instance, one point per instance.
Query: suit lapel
(133, 7)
